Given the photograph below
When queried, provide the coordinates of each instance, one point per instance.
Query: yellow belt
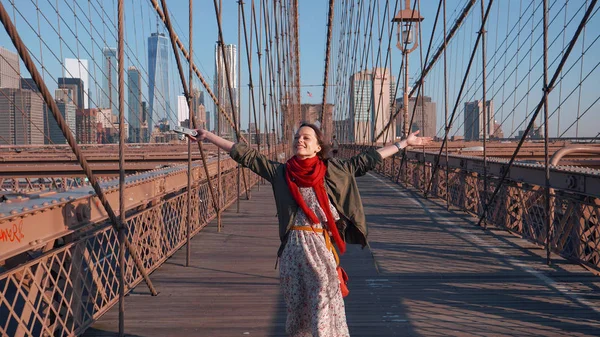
(328, 243)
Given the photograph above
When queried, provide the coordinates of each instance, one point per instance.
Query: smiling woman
(319, 211)
(309, 142)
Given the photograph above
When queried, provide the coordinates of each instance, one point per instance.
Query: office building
(199, 108)
(78, 68)
(29, 84)
(66, 107)
(134, 103)
(144, 133)
(86, 126)
(384, 87)
(473, 125)
(361, 95)
(424, 118)
(76, 87)
(22, 116)
(183, 113)
(109, 97)
(10, 74)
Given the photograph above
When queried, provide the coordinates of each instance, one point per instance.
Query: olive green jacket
(340, 184)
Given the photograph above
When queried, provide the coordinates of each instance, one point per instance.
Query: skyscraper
(22, 116)
(361, 94)
(76, 87)
(86, 125)
(109, 98)
(199, 108)
(222, 89)
(66, 106)
(425, 118)
(144, 130)
(10, 74)
(78, 68)
(134, 102)
(158, 84)
(384, 85)
(29, 84)
(474, 120)
(183, 112)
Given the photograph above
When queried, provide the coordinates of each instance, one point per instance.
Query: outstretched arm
(222, 143)
(242, 153)
(411, 140)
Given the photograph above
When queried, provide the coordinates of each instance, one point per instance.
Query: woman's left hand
(413, 140)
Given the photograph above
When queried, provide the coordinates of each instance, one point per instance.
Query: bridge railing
(75, 280)
(520, 204)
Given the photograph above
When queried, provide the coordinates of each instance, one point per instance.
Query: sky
(58, 27)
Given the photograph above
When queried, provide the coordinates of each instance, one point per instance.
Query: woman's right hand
(201, 135)
(222, 143)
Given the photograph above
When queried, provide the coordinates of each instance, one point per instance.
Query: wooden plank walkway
(429, 272)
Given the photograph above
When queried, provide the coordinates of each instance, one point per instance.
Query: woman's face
(306, 144)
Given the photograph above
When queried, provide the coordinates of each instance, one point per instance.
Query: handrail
(569, 149)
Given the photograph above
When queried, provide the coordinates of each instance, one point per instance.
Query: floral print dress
(309, 279)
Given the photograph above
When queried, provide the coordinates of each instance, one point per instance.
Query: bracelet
(398, 146)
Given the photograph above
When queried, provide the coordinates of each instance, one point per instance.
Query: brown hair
(323, 154)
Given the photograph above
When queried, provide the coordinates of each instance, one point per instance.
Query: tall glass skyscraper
(109, 98)
(158, 86)
(222, 90)
(134, 102)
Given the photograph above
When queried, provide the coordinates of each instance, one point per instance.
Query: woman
(316, 198)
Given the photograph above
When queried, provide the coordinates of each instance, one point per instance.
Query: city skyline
(308, 65)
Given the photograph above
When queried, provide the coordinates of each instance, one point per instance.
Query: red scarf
(311, 173)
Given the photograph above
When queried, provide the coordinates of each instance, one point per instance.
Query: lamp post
(408, 40)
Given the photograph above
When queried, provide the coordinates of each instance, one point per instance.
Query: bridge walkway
(428, 272)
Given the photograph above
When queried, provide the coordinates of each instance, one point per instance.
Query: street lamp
(407, 21)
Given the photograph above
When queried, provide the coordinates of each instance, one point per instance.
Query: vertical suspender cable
(327, 56)
(446, 129)
(191, 106)
(485, 114)
(237, 107)
(218, 125)
(239, 101)
(248, 45)
(549, 211)
(121, 232)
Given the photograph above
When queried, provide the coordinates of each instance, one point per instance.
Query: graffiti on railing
(12, 233)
